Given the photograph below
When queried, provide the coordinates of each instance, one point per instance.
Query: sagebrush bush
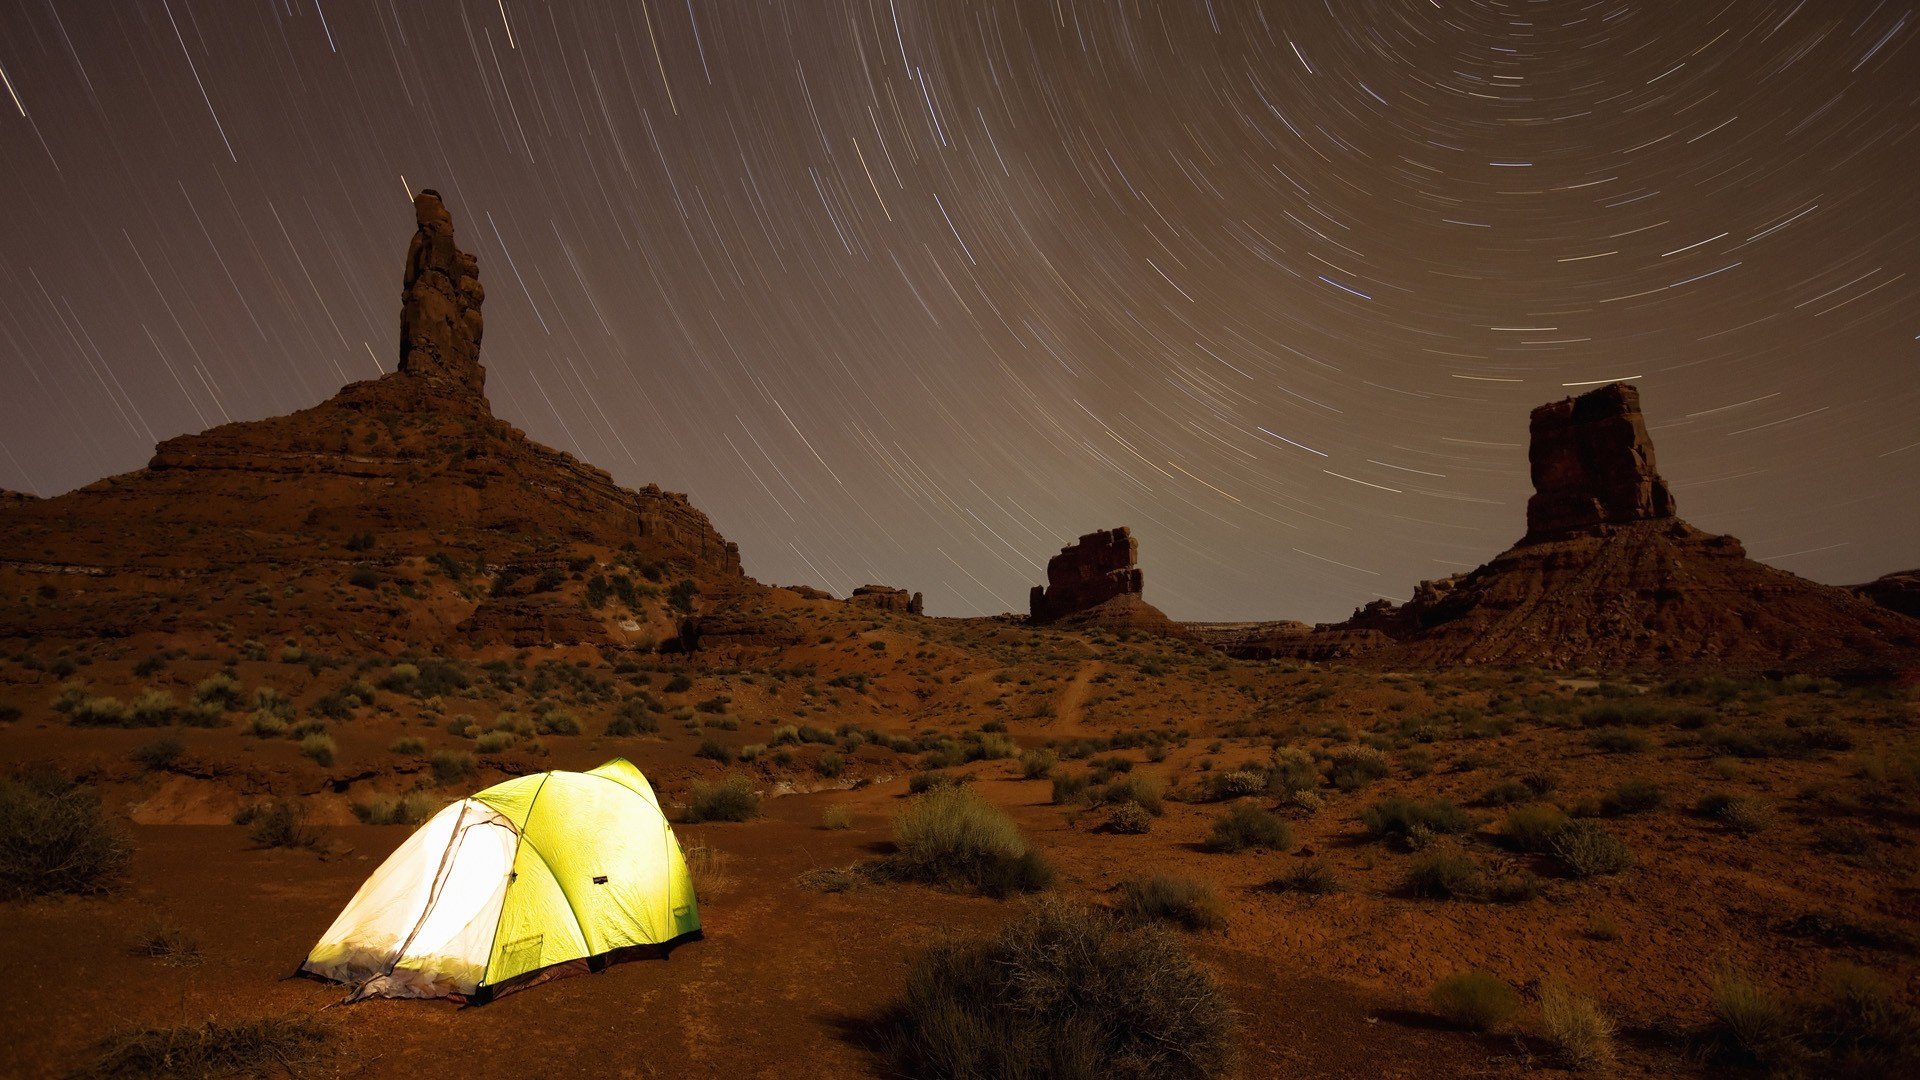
(1535, 827)
(836, 816)
(1248, 826)
(54, 839)
(1129, 818)
(259, 1046)
(1313, 877)
(1142, 789)
(1354, 767)
(1636, 795)
(953, 837)
(451, 765)
(732, 799)
(409, 809)
(1744, 814)
(1447, 875)
(923, 782)
(1037, 764)
(319, 747)
(1578, 1028)
(1176, 901)
(1070, 788)
(1587, 849)
(1399, 817)
(221, 689)
(1851, 1023)
(407, 746)
(159, 754)
(1475, 1000)
(279, 824)
(1061, 992)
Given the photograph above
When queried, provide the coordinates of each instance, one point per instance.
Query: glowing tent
(520, 881)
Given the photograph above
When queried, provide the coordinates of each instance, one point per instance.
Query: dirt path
(1068, 710)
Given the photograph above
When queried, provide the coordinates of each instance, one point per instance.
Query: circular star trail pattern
(914, 291)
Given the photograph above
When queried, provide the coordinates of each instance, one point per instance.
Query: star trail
(914, 291)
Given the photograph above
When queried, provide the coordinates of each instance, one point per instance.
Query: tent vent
(600, 879)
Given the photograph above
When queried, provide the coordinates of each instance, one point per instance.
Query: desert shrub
(221, 689)
(732, 799)
(159, 754)
(494, 742)
(1129, 818)
(1577, 1028)
(633, 718)
(1619, 740)
(830, 764)
(104, 711)
(994, 747)
(1447, 875)
(1061, 992)
(679, 684)
(953, 837)
(407, 746)
(1636, 795)
(319, 747)
(1506, 793)
(154, 708)
(1176, 901)
(1354, 767)
(279, 824)
(1235, 784)
(1534, 828)
(1401, 817)
(715, 750)
(836, 816)
(1313, 877)
(1474, 1000)
(1744, 814)
(1248, 826)
(1292, 770)
(259, 1046)
(266, 725)
(54, 839)
(923, 782)
(1037, 764)
(409, 809)
(1070, 788)
(1142, 789)
(168, 944)
(451, 765)
(1750, 1022)
(1588, 850)
(556, 722)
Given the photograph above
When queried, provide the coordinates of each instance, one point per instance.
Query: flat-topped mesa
(1090, 572)
(1592, 464)
(440, 323)
(888, 598)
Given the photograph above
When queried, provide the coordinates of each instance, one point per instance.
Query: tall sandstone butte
(1087, 573)
(376, 515)
(1608, 577)
(1592, 464)
(440, 298)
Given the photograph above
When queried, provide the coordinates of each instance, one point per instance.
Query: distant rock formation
(1087, 573)
(367, 512)
(1898, 591)
(1592, 464)
(440, 298)
(887, 598)
(1607, 577)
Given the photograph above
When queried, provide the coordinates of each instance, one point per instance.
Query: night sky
(915, 291)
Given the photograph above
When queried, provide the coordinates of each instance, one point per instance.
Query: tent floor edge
(594, 964)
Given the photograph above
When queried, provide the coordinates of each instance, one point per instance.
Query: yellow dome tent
(505, 887)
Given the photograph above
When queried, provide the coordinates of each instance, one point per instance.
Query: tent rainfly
(515, 884)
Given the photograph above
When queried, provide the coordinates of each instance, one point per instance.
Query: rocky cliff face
(1087, 573)
(401, 484)
(1608, 577)
(1898, 591)
(1592, 464)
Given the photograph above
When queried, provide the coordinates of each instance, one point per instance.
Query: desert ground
(1757, 829)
